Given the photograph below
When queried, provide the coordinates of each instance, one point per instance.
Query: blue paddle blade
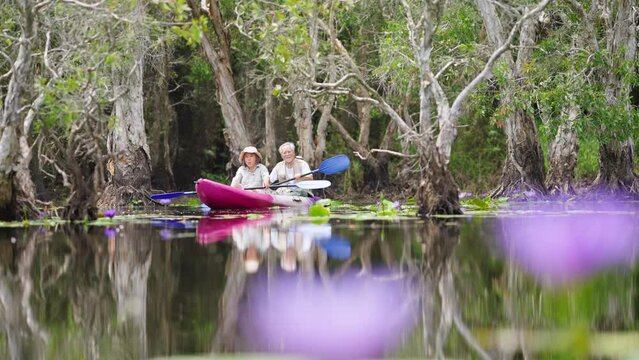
(335, 164)
(336, 247)
(172, 195)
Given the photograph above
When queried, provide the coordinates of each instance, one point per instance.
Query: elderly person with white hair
(252, 173)
(291, 167)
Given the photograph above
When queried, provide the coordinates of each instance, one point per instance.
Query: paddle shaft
(333, 165)
(289, 180)
(277, 186)
(171, 195)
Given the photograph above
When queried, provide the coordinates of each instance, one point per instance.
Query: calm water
(537, 280)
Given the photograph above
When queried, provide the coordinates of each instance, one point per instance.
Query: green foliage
(200, 74)
(587, 159)
(477, 203)
(192, 31)
(479, 151)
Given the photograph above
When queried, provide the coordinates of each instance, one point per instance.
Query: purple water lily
(109, 213)
(355, 317)
(558, 248)
(397, 205)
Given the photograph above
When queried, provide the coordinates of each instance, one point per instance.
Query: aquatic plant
(476, 203)
(109, 213)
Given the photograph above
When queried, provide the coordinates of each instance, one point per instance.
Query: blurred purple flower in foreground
(165, 201)
(564, 247)
(354, 317)
(109, 213)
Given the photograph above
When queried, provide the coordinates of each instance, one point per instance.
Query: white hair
(286, 144)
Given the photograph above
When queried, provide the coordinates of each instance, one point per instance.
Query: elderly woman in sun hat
(252, 173)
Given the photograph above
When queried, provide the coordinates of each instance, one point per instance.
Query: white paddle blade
(313, 184)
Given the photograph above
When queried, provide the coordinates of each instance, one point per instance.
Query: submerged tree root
(114, 197)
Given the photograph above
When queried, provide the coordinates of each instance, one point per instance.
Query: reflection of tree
(16, 311)
(438, 244)
(164, 279)
(225, 337)
(91, 301)
(129, 271)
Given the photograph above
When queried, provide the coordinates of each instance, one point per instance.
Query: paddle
(330, 166)
(172, 195)
(308, 185)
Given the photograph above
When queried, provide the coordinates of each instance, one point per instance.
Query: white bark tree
(438, 193)
(616, 156)
(14, 151)
(524, 166)
(218, 55)
(131, 163)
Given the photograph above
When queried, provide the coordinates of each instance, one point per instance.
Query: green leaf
(317, 210)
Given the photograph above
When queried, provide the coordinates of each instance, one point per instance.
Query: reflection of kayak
(220, 196)
(210, 230)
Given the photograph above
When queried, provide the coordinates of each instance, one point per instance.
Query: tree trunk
(162, 119)
(562, 156)
(325, 118)
(438, 193)
(303, 114)
(26, 186)
(269, 151)
(84, 152)
(524, 166)
(131, 171)
(228, 315)
(220, 60)
(616, 174)
(11, 122)
(374, 174)
(131, 256)
(616, 161)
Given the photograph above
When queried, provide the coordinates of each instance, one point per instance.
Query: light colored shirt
(246, 178)
(281, 172)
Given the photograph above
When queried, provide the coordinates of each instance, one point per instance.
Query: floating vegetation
(476, 203)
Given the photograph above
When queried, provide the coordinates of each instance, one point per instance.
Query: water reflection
(296, 305)
(271, 283)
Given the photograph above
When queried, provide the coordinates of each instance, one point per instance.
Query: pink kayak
(221, 196)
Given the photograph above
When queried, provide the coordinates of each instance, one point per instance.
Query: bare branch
(337, 83)
(97, 7)
(444, 68)
(364, 99)
(391, 152)
(54, 74)
(411, 27)
(41, 5)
